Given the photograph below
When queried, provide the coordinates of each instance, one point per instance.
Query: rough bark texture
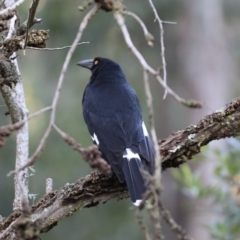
(56, 205)
(11, 88)
(12, 91)
(96, 188)
(181, 146)
(36, 38)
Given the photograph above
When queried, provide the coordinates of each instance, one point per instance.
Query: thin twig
(143, 226)
(162, 46)
(13, 6)
(149, 37)
(169, 22)
(180, 232)
(39, 112)
(31, 18)
(8, 129)
(158, 165)
(24, 121)
(138, 19)
(82, 26)
(155, 214)
(120, 20)
(30, 117)
(38, 151)
(92, 155)
(40, 147)
(53, 49)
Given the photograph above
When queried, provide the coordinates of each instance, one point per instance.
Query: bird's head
(102, 68)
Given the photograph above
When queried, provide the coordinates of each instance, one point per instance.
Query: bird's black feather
(112, 113)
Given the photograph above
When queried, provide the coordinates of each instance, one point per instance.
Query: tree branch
(31, 20)
(56, 205)
(15, 100)
(11, 6)
(153, 195)
(162, 45)
(96, 188)
(40, 147)
(148, 36)
(181, 146)
(121, 22)
(54, 49)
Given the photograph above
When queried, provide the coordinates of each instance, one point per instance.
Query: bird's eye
(95, 62)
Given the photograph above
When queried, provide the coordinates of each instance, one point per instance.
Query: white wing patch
(129, 154)
(137, 203)
(95, 139)
(145, 132)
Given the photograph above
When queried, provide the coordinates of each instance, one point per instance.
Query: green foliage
(225, 195)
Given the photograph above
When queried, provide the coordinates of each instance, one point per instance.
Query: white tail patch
(137, 203)
(95, 139)
(129, 154)
(145, 132)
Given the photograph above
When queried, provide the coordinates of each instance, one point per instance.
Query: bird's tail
(132, 168)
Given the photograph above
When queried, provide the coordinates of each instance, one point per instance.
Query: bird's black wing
(109, 136)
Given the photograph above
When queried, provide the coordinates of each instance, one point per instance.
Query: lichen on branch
(36, 38)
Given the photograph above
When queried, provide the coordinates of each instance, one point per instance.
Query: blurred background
(203, 59)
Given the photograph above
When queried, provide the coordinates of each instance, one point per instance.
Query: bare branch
(92, 155)
(181, 146)
(154, 182)
(39, 112)
(180, 232)
(162, 46)
(120, 20)
(85, 193)
(154, 212)
(17, 125)
(40, 147)
(32, 12)
(11, 7)
(54, 49)
(31, 19)
(15, 101)
(139, 218)
(21, 186)
(158, 167)
(169, 22)
(36, 38)
(148, 36)
(82, 27)
(5, 131)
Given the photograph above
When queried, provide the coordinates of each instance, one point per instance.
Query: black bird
(112, 113)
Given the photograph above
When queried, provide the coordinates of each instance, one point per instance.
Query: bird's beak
(86, 63)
